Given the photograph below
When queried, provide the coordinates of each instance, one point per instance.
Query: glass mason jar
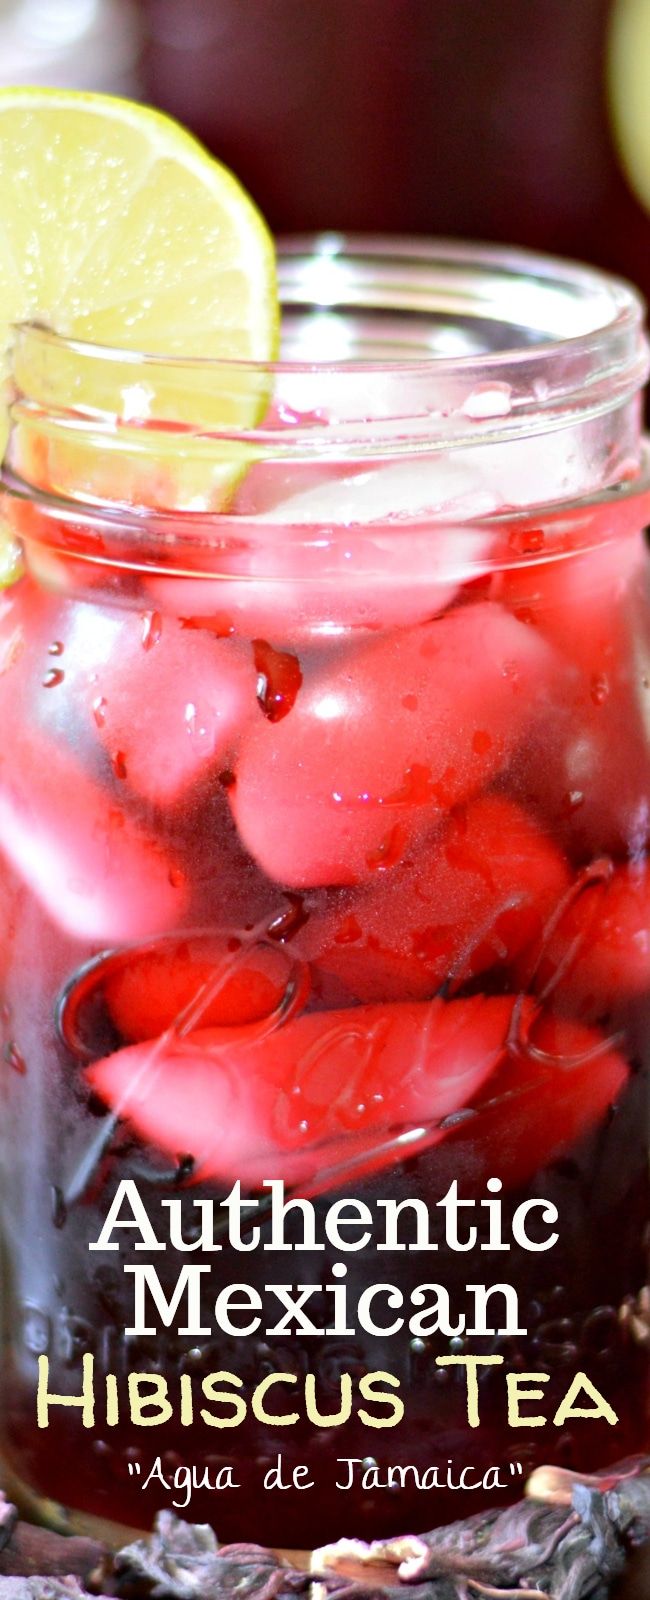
(324, 816)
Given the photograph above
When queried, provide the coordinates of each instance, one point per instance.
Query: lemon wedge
(118, 229)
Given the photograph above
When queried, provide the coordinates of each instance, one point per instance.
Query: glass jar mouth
(538, 403)
(460, 341)
(550, 304)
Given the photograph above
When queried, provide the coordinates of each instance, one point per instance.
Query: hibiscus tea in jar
(325, 949)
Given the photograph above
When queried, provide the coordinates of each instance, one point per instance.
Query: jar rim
(540, 347)
(331, 271)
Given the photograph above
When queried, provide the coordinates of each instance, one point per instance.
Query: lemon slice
(628, 74)
(118, 229)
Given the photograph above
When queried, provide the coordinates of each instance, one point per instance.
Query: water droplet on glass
(151, 629)
(279, 677)
(488, 400)
(52, 678)
(55, 648)
(599, 688)
(290, 920)
(190, 720)
(59, 1208)
(14, 1058)
(573, 799)
(118, 763)
(99, 710)
(185, 1168)
(527, 541)
(388, 852)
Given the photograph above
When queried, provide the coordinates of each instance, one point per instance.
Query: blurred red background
(478, 118)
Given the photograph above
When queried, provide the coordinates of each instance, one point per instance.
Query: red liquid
(390, 882)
